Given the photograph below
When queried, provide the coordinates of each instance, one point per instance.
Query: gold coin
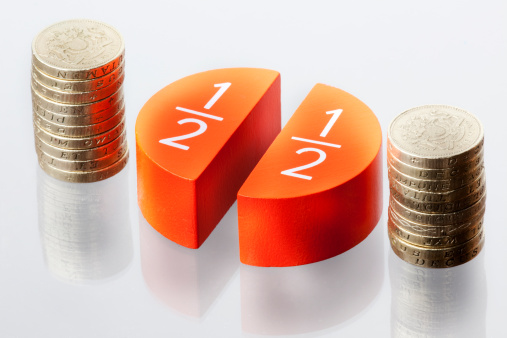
(425, 230)
(79, 142)
(77, 120)
(86, 176)
(76, 97)
(435, 174)
(80, 131)
(78, 50)
(83, 154)
(85, 166)
(77, 86)
(445, 262)
(440, 207)
(412, 250)
(437, 197)
(435, 137)
(439, 186)
(457, 217)
(459, 237)
(77, 109)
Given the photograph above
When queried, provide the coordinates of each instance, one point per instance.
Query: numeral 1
(223, 87)
(336, 114)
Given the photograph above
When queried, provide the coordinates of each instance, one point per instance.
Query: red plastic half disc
(197, 140)
(317, 191)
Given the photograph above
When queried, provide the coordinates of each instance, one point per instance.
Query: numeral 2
(170, 141)
(292, 172)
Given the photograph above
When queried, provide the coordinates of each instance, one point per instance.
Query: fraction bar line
(218, 118)
(316, 142)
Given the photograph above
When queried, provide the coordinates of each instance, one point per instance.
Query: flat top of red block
(195, 116)
(337, 137)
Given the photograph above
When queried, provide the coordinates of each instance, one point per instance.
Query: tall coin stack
(438, 186)
(78, 104)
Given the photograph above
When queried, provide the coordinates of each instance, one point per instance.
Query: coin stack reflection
(437, 184)
(84, 228)
(78, 104)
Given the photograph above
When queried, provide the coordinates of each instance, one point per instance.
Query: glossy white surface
(108, 274)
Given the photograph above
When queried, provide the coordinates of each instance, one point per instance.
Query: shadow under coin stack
(78, 105)
(438, 186)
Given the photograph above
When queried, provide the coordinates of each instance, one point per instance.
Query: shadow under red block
(189, 281)
(312, 297)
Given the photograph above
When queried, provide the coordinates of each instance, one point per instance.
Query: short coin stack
(78, 105)
(438, 188)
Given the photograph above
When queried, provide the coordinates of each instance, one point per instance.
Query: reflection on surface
(438, 302)
(84, 227)
(312, 297)
(190, 280)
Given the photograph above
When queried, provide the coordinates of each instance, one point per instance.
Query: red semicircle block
(196, 142)
(317, 191)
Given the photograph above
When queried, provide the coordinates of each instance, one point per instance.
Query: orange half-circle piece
(197, 140)
(317, 191)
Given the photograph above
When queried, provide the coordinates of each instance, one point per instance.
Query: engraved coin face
(435, 131)
(78, 45)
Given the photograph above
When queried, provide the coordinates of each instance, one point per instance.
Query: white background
(120, 279)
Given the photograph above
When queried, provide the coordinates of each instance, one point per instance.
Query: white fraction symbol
(292, 172)
(336, 114)
(322, 154)
(223, 87)
(202, 125)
